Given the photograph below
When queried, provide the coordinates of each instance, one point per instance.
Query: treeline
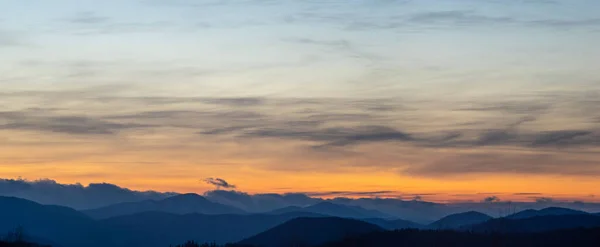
(424, 238)
(196, 244)
(448, 238)
(19, 244)
(17, 238)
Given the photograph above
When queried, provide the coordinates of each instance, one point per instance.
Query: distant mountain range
(166, 222)
(104, 196)
(336, 210)
(310, 232)
(179, 204)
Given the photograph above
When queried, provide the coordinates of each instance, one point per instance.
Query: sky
(448, 100)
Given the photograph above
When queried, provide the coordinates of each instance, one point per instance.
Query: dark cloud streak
(219, 183)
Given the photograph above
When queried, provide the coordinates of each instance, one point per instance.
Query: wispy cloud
(67, 124)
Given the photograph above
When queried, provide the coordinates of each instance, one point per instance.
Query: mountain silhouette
(545, 212)
(456, 221)
(310, 232)
(51, 224)
(179, 204)
(336, 210)
(65, 227)
(393, 224)
(538, 223)
(159, 229)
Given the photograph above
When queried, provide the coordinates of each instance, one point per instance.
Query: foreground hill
(179, 204)
(310, 232)
(456, 221)
(418, 238)
(545, 212)
(51, 224)
(159, 229)
(539, 223)
(335, 210)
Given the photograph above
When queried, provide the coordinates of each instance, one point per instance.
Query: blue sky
(416, 89)
(327, 48)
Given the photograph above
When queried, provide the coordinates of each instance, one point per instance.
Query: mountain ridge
(178, 204)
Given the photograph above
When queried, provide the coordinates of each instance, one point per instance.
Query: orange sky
(412, 98)
(273, 146)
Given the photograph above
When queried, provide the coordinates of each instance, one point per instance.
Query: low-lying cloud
(77, 196)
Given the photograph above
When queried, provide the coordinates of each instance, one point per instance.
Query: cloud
(517, 136)
(11, 39)
(463, 17)
(67, 124)
(491, 199)
(527, 194)
(77, 196)
(458, 17)
(87, 18)
(236, 102)
(559, 23)
(360, 194)
(544, 200)
(489, 161)
(219, 183)
(566, 138)
(92, 23)
(331, 137)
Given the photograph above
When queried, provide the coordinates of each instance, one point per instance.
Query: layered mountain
(311, 232)
(456, 221)
(65, 227)
(179, 204)
(156, 229)
(336, 210)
